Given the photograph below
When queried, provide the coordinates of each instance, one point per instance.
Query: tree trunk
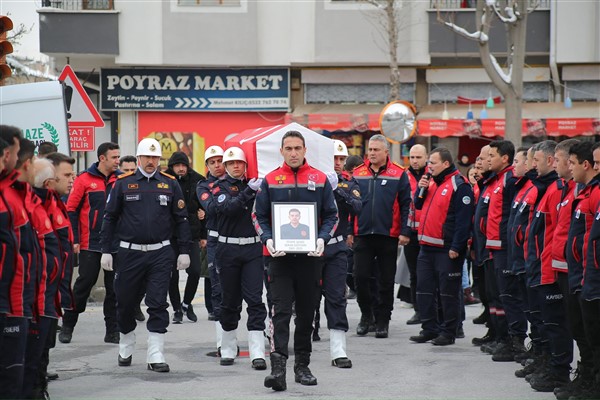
(392, 28)
(513, 119)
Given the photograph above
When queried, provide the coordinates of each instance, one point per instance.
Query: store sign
(491, 128)
(195, 89)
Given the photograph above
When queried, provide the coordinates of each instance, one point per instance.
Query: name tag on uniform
(598, 216)
(384, 182)
(486, 199)
(311, 186)
(577, 214)
(516, 204)
(132, 197)
(523, 205)
(444, 192)
(162, 199)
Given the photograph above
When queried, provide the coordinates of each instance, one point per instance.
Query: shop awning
(336, 117)
(539, 119)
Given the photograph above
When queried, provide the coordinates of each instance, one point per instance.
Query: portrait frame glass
(300, 238)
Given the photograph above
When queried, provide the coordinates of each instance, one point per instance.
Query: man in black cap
(179, 167)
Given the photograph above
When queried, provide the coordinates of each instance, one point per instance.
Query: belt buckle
(244, 240)
(144, 247)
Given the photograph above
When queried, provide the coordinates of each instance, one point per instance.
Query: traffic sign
(80, 109)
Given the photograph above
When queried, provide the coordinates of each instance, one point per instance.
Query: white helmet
(339, 148)
(234, 154)
(213, 151)
(149, 147)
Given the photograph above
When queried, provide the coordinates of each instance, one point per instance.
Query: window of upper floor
(209, 6)
(457, 4)
(75, 5)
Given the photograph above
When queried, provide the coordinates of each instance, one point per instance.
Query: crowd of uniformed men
(527, 219)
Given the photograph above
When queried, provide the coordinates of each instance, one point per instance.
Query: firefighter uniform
(239, 256)
(142, 212)
(446, 215)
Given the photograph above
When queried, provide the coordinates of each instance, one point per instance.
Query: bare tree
(508, 81)
(391, 24)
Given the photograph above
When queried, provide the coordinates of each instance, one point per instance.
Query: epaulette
(167, 175)
(398, 165)
(358, 166)
(125, 175)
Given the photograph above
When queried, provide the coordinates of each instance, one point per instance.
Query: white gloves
(320, 248)
(183, 261)
(333, 179)
(255, 183)
(106, 262)
(271, 249)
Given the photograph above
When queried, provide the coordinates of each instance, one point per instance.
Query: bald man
(416, 170)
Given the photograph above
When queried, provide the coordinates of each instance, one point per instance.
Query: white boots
(228, 347)
(337, 347)
(126, 347)
(155, 357)
(256, 347)
(219, 333)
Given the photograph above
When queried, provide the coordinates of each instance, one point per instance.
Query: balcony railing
(76, 5)
(466, 4)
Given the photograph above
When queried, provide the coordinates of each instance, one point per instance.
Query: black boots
(302, 372)
(276, 380)
(366, 325)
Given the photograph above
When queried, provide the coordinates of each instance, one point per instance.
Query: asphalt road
(392, 368)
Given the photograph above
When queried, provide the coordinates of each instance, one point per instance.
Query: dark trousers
(350, 264)
(89, 268)
(575, 319)
(36, 344)
(148, 272)
(511, 296)
(293, 278)
(241, 273)
(191, 285)
(411, 253)
(497, 315)
(366, 249)
(479, 273)
(334, 286)
(538, 332)
(208, 295)
(590, 310)
(438, 273)
(213, 273)
(12, 357)
(554, 314)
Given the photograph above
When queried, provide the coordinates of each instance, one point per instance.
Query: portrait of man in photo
(294, 230)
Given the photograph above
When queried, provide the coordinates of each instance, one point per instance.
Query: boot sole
(272, 384)
(311, 383)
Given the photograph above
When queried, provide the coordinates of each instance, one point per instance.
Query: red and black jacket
(49, 261)
(447, 211)
(591, 274)
(584, 207)
(386, 198)
(57, 212)
(501, 193)
(9, 244)
(86, 206)
(414, 215)
(302, 184)
(482, 202)
(541, 228)
(518, 222)
(561, 232)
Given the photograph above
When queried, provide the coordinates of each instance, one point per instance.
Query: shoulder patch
(167, 175)
(125, 175)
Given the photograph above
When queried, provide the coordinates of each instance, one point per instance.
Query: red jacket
(10, 260)
(501, 193)
(561, 232)
(547, 211)
(86, 206)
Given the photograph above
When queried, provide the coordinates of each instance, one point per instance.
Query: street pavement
(392, 368)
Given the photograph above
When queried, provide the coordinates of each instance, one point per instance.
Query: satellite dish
(398, 121)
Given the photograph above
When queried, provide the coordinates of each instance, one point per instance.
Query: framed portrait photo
(294, 227)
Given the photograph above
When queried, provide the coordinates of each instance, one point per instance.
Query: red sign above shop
(495, 127)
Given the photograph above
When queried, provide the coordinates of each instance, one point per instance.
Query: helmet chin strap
(241, 177)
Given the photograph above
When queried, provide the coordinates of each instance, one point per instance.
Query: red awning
(490, 128)
(337, 117)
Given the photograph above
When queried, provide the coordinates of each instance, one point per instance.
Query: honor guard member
(86, 207)
(447, 206)
(143, 211)
(294, 277)
(213, 157)
(347, 198)
(239, 257)
(418, 166)
(380, 227)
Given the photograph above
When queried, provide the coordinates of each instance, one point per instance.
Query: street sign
(82, 116)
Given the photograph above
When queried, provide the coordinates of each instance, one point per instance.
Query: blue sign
(195, 89)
